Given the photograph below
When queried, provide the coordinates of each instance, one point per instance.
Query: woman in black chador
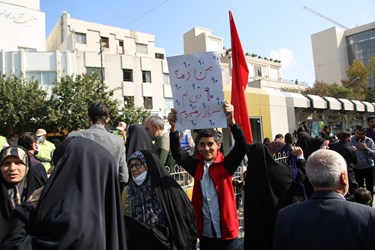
(158, 213)
(79, 208)
(18, 180)
(267, 189)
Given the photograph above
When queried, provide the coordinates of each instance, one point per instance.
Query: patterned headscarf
(15, 191)
(137, 155)
(141, 201)
(18, 152)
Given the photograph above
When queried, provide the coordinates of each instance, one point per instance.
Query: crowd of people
(102, 190)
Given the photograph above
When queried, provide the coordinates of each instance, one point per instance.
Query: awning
(369, 107)
(346, 104)
(359, 106)
(298, 100)
(317, 102)
(333, 103)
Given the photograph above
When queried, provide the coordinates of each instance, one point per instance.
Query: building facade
(335, 49)
(22, 17)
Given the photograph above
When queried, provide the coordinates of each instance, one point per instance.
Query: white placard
(197, 89)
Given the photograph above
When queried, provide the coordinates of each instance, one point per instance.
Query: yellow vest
(45, 153)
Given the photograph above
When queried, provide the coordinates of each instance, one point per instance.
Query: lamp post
(352, 81)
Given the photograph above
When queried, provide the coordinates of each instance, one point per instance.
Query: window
(121, 47)
(104, 41)
(258, 70)
(168, 103)
(129, 101)
(127, 75)
(95, 70)
(43, 77)
(159, 56)
(166, 78)
(141, 48)
(147, 102)
(80, 37)
(146, 76)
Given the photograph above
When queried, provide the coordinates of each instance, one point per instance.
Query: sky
(271, 28)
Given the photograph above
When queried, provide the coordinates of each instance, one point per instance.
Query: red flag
(240, 76)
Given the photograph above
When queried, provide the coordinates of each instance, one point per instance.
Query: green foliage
(71, 98)
(370, 94)
(291, 89)
(23, 105)
(332, 90)
(357, 76)
(371, 67)
(134, 115)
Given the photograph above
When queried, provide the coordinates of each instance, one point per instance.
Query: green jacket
(45, 153)
(3, 142)
(163, 150)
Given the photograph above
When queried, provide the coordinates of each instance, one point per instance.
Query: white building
(22, 25)
(129, 60)
(335, 49)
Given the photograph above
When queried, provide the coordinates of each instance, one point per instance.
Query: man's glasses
(136, 165)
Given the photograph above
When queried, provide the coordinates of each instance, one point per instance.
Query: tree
(71, 98)
(332, 90)
(133, 115)
(23, 105)
(319, 88)
(357, 80)
(371, 67)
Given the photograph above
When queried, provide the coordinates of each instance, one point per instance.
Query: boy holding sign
(213, 195)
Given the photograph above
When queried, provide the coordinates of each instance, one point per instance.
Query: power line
(147, 12)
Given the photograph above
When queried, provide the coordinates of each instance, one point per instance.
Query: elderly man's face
(152, 130)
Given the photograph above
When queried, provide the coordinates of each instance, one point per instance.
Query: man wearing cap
(46, 149)
(122, 130)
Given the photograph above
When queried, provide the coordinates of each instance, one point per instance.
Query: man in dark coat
(344, 148)
(29, 141)
(370, 131)
(327, 220)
